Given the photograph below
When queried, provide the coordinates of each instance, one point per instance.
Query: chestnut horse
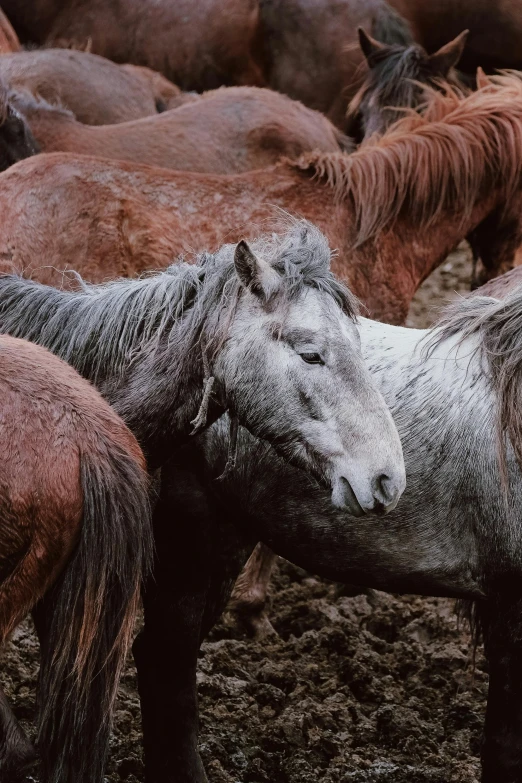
(394, 82)
(308, 48)
(96, 90)
(229, 130)
(495, 28)
(8, 39)
(394, 210)
(74, 518)
(199, 45)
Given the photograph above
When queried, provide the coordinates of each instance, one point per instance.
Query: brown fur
(66, 460)
(199, 45)
(8, 39)
(500, 286)
(308, 48)
(47, 410)
(228, 130)
(97, 91)
(495, 28)
(109, 219)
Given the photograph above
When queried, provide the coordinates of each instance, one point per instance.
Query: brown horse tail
(93, 614)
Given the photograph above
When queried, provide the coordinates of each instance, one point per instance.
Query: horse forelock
(448, 158)
(101, 329)
(496, 326)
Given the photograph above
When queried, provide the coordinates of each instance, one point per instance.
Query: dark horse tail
(93, 608)
(389, 27)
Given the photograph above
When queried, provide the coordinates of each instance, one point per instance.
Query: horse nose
(386, 493)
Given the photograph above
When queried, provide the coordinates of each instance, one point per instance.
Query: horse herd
(161, 419)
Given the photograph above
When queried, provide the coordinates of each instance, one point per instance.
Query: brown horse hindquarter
(68, 469)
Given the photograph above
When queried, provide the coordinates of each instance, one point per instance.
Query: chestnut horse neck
(429, 180)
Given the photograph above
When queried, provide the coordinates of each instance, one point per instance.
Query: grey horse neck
(149, 344)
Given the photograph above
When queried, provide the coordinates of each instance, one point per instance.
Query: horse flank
(101, 329)
(453, 154)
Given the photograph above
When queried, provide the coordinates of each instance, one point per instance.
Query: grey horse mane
(497, 324)
(101, 329)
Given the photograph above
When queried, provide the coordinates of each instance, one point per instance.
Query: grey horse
(266, 333)
(456, 395)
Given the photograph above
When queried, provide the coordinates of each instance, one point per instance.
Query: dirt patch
(360, 688)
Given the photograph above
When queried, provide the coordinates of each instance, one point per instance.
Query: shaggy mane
(498, 326)
(101, 329)
(449, 158)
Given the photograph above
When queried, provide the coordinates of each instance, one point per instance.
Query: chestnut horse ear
(369, 46)
(449, 55)
(482, 79)
(254, 273)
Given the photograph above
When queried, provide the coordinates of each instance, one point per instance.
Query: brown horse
(74, 515)
(229, 130)
(308, 48)
(8, 39)
(495, 28)
(96, 90)
(199, 45)
(394, 82)
(393, 209)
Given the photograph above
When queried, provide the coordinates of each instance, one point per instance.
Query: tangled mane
(497, 324)
(101, 329)
(446, 159)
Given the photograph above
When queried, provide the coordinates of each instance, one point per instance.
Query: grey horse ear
(254, 273)
(370, 47)
(448, 56)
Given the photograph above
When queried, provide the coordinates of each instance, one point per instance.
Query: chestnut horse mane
(497, 325)
(447, 159)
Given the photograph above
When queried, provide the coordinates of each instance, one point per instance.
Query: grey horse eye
(311, 357)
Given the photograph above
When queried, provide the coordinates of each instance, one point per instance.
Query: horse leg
(17, 754)
(501, 618)
(166, 651)
(249, 597)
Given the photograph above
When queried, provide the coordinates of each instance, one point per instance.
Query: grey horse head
(291, 371)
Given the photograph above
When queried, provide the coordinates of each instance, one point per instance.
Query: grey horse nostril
(384, 489)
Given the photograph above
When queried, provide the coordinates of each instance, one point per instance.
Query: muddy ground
(360, 688)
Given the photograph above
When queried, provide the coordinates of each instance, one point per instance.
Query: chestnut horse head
(16, 140)
(395, 79)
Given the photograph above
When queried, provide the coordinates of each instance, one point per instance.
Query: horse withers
(74, 521)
